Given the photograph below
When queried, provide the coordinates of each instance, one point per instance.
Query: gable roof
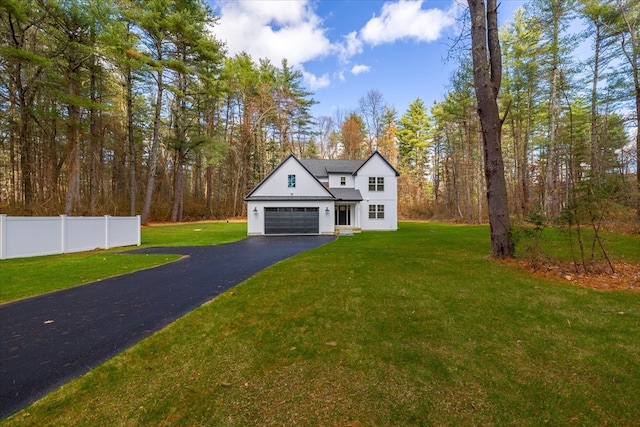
(266, 178)
(321, 168)
(377, 153)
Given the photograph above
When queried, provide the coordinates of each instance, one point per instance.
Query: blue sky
(346, 48)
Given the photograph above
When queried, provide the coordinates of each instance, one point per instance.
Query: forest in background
(127, 107)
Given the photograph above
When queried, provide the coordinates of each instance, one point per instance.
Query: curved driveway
(47, 340)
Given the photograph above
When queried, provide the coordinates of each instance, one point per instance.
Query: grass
(25, 277)
(415, 327)
(194, 234)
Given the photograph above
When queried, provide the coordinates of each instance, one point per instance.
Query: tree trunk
(131, 142)
(552, 201)
(595, 167)
(637, 147)
(73, 127)
(553, 195)
(209, 191)
(26, 160)
(631, 50)
(487, 76)
(93, 140)
(176, 210)
(526, 179)
(155, 142)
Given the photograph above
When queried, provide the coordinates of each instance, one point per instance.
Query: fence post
(3, 235)
(106, 231)
(139, 231)
(63, 234)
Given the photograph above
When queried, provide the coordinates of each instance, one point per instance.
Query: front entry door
(343, 215)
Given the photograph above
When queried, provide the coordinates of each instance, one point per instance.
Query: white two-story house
(312, 196)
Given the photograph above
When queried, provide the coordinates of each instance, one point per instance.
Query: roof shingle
(323, 167)
(346, 194)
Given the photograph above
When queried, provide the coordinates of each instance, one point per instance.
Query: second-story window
(343, 180)
(291, 181)
(376, 183)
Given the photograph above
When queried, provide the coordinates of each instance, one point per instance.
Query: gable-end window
(376, 211)
(376, 183)
(343, 180)
(291, 181)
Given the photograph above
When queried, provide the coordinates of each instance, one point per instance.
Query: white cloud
(272, 30)
(406, 20)
(279, 29)
(359, 69)
(314, 82)
(350, 47)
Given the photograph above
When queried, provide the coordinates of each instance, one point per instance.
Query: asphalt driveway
(47, 340)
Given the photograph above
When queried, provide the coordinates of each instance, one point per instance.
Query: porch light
(255, 210)
(326, 210)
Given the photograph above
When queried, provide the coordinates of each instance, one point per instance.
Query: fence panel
(35, 236)
(30, 236)
(121, 230)
(84, 233)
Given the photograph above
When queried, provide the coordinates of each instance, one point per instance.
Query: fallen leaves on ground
(598, 276)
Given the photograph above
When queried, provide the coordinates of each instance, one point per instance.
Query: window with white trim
(376, 183)
(376, 211)
(343, 180)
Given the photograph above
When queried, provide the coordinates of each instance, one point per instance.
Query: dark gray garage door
(291, 221)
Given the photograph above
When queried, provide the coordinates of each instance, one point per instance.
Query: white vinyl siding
(369, 173)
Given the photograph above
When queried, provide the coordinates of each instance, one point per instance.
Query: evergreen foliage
(128, 106)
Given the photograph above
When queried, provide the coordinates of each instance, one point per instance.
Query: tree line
(132, 107)
(568, 121)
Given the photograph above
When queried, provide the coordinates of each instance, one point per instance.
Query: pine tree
(413, 138)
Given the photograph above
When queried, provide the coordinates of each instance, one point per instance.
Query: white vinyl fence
(24, 236)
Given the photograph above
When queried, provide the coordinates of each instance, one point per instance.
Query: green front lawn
(25, 277)
(414, 327)
(194, 234)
